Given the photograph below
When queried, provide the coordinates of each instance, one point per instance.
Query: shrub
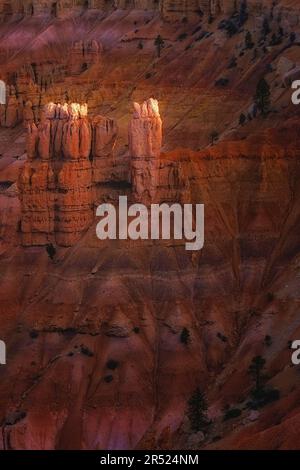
(185, 336)
(255, 369)
(232, 413)
(159, 44)
(182, 36)
(213, 137)
(196, 413)
(242, 119)
(223, 338)
(263, 397)
(222, 82)
(108, 379)
(112, 364)
(249, 44)
(33, 334)
(231, 28)
(86, 351)
(51, 250)
(275, 40)
(232, 63)
(266, 28)
(268, 340)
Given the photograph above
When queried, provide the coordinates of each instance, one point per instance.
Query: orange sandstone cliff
(107, 340)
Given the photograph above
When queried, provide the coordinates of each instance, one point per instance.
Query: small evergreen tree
(185, 336)
(214, 136)
(292, 37)
(243, 14)
(266, 27)
(196, 413)
(242, 119)
(159, 43)
(51, 250)
(255, 369)
(249, 44)
(262, 96)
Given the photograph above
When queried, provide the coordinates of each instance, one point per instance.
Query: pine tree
(213, 137)
(243, 14)
(196, 413)
(51, 250)
(262, 96)
(159, 43)
(255, 369)
(266, 27)
(185, 336)
(242, 119)
(248, 41)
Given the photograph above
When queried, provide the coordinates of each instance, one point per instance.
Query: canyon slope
(108, 340)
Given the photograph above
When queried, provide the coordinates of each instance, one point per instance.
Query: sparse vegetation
(182, 37)
(196, 413)
(112, 364)
(51, 250)
(108, 379)
(262, 96)
(222, 337)
(268, 340)
(86, 351)
(266, 27)
(33, 334)
(213, 137)
(159, 44)
(255, 369)
(249, 44)
(232, 63)
(185, 336)
(243, 13)
(263, 397)
(242, 119)
(232, 413)
(223, 81)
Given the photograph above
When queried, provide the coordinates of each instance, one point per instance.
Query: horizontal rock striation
(56, 183)
(145, 140)
(169, 9)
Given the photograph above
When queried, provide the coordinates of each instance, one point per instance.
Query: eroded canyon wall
(170, 9)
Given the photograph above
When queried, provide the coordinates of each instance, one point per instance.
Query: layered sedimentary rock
(83, 54)
(170, 9)
(145, 140)
(105, 132)
(11, 113)
(56, 182)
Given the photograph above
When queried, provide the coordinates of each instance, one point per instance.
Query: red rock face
(145, 141)
(56, 183)
(66, 319)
